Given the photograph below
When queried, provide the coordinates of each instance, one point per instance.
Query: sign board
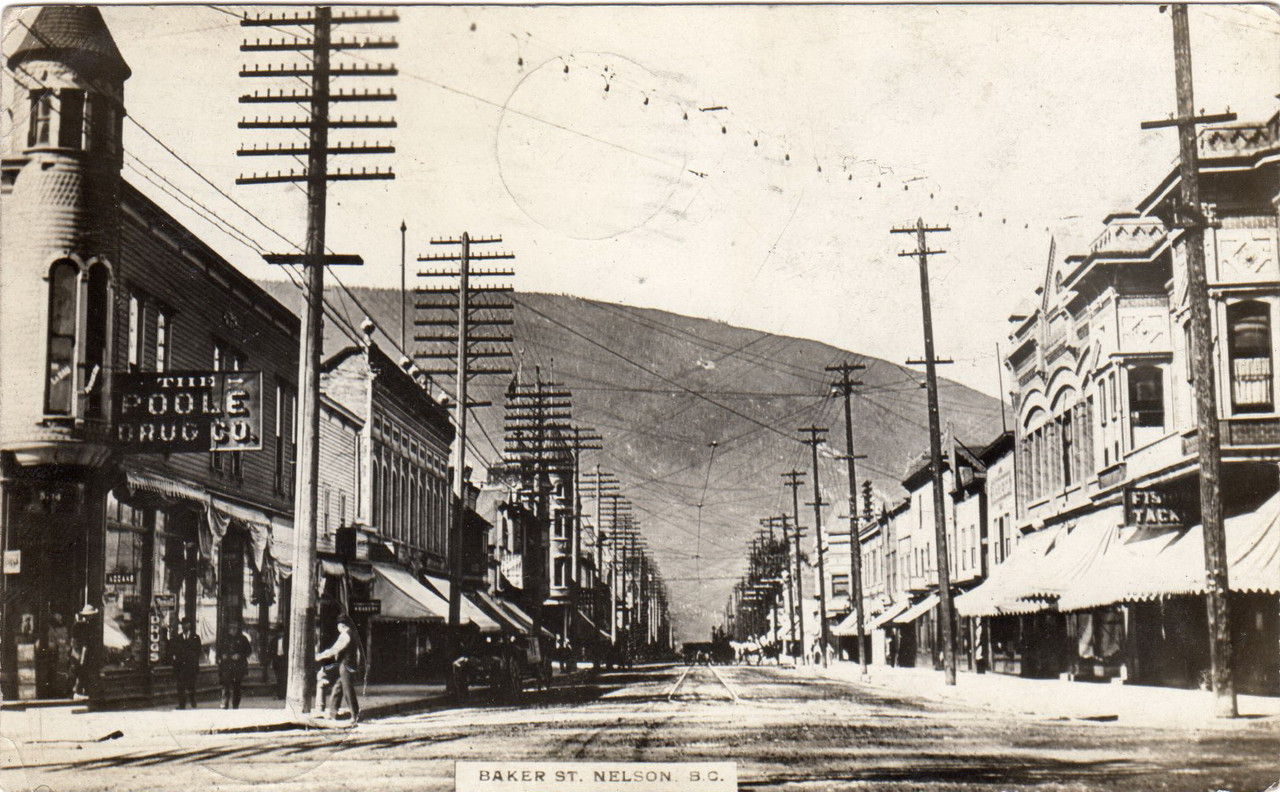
(569, 776)
(121, 578)
(1151, 508)
(164, 601)
(12, 562)
(188, 411)
(371, 607)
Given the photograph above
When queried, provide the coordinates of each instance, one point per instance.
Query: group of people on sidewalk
(339, 665)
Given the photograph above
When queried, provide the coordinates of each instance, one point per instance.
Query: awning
(919, 609)
(849, 626)
(331, 568)
(888, 614)
(999, 593)
(1142, 565)
(470, 612)
(404, 598)
(159, 485)
(494, 608)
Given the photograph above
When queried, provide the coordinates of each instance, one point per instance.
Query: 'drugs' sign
(185, 411)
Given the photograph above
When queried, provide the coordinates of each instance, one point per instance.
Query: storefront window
(124, 612)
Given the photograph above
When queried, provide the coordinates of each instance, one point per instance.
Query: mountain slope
(660, 388)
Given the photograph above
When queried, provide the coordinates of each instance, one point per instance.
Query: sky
(589, 139)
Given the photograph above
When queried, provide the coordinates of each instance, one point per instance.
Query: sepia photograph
(650, 397)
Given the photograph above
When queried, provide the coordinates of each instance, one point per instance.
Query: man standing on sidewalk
(186, 663)
(233, 665)
(345, 655)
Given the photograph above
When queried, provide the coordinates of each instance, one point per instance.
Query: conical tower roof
(76, 35)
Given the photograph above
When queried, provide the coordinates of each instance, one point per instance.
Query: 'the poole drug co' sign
(182, 411)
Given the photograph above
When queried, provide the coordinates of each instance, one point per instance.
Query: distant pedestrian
(233, 665)
(186, 663)
(344, 657)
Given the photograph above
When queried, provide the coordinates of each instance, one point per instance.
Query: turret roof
(76, 35)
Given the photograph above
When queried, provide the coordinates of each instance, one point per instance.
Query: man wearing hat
(186, 663)
(345, 654)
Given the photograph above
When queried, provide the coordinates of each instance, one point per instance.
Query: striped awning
(919, 609)
(888, 615)
(1144, 565)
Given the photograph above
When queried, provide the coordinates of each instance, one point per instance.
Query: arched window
(1249, 347)
(60, 380)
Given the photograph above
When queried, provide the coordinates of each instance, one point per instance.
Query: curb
(366, 714)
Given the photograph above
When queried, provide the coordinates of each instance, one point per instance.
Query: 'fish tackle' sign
(185, 411)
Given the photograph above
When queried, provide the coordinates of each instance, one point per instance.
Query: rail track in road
(697, 693)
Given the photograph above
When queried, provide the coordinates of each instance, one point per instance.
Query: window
(839, 585)
(1068, 443)
(1146, 397)
(97, 317)
(135, 331)
(561, 567)
(285, 433)
(162, 340)
(376, 515)
(326, 523)
(71, 117)
(41, 115)
(1250, 351)
(59, 387)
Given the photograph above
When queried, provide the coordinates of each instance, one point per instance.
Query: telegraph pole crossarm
(318, 73)
(945, 611)
(1190, 217)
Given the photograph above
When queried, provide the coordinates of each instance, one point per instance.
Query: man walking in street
(186, 663)
(233, 665)
(344, 657)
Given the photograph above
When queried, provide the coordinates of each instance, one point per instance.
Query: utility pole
(945, 614)
(813, 442)
(316, 176)
(844, 387)
(794, 479)
(404, 289)
(466, 300)
(1190, 217)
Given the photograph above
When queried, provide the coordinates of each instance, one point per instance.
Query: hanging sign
(12, 562)
(371, 607)
(1151, 508)
(121, 579)
(188, 411)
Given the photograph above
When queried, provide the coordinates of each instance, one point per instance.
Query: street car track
(733, 694)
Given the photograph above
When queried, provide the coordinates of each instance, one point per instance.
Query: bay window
(1249, 347)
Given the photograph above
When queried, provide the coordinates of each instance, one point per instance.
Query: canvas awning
(404, 598)
(919, 609)
(494, 608)
(849, 626)
(470, 613)
(999, 593)
(888, 615)
(1145, 565)
(1072, 553)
